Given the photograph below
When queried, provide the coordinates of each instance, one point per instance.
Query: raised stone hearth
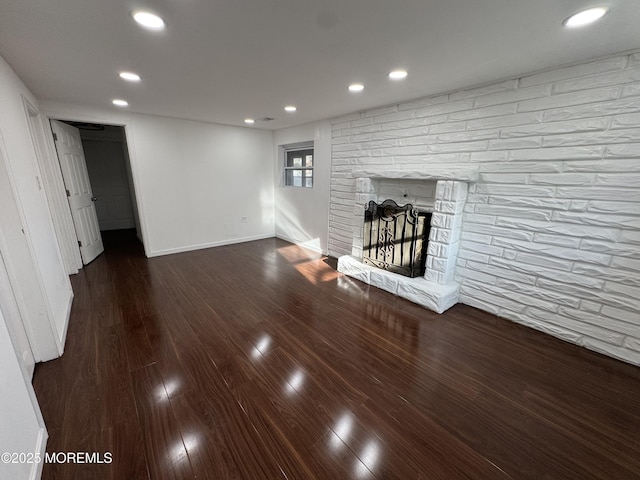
(442, 190)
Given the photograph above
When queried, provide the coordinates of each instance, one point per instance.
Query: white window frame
(288, 149)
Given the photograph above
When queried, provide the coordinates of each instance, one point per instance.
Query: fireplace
(395, 237)
(440, 191)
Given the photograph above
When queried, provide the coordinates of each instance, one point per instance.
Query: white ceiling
(225, 60)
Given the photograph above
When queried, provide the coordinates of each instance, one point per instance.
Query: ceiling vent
(266, 119)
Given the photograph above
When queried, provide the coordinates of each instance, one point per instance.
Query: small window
(298, 168)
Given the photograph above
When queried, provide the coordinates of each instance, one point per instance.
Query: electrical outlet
(244, 219)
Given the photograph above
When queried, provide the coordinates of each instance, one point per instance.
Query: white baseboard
(41, 448)
(190, 248)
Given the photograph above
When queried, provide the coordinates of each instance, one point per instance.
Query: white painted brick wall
(551, 231)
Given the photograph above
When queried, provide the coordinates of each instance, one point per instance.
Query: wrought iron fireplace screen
(396, 237)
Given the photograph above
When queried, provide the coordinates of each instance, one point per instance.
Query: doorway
(98, 180)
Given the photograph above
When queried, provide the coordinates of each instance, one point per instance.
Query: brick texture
(551, 230)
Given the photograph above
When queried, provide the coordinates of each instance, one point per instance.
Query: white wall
(30, 248)
(132, 190)
(194, 181)
(551, 231)
(199, 179)
(302, 214)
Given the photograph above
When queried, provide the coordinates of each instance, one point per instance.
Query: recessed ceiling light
(120, 103)
(290, 108)
(398, 74)
(130, 76)
(356, 87)
(585, 17)
(149, 20)
(249, 121)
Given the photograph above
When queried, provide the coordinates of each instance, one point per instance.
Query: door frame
(35, 311)
(54, 190)
(51, 159)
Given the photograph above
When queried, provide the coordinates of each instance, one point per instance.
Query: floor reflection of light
(171, 386)
(369, 456)
(345, 283)
(261, 347)
(341, 431)
(295, 382)
(191, 441)
(160, 394)
(178, 453)
(166, 389)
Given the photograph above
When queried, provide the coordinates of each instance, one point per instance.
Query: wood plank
(166, 453)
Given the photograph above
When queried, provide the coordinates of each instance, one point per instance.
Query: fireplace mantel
(434, 171)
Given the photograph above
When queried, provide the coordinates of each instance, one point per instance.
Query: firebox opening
(396, 237)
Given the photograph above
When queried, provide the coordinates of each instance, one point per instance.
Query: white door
(23, 429)
(76, 181)
(11, 313)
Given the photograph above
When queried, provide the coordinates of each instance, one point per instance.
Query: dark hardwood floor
(260, 361)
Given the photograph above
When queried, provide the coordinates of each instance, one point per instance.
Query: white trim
(55, 113)
(41, 448)
(292, 147)
(201, 246)
(53, 183)
(137, 186)
(434, 171)
(299, 147)
(41, 442)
